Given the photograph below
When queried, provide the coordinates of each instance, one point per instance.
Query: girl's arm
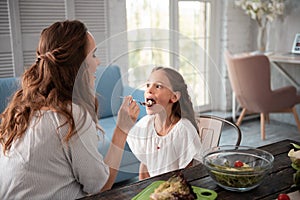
(190, 164)
(143, 173)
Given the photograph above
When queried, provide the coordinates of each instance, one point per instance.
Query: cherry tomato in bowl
(283, 197)
(238, 163)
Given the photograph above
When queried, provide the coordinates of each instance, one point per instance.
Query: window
(171, 33)
(146, 21)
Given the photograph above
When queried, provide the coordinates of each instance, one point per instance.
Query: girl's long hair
(49, 82)
(184, 107)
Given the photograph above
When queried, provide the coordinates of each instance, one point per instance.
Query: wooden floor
(275, 131)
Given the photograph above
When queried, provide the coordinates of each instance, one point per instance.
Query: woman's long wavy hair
(49, 82)
(184, 107)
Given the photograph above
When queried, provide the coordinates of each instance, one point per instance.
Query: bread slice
(175, 188)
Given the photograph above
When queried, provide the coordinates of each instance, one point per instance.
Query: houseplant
(294, 155)
(263, 12)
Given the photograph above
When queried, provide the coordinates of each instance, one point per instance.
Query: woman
(48, 131)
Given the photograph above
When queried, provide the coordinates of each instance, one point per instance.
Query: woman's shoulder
(76, 108)
(79, 111)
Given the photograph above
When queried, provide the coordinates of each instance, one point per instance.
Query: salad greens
(236, 177)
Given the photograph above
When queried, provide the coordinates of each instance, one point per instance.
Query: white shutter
(93, 13)
(6, 61)
(4, 20)
(6, 65)
(24, 20)
(35, 15)
(29, 58)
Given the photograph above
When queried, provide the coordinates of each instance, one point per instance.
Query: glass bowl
(238, 168)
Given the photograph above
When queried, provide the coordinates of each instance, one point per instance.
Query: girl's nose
(150, 89)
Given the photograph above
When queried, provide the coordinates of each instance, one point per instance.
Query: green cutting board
(202, 193)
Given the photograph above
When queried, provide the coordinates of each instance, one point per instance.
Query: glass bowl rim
(229, 148)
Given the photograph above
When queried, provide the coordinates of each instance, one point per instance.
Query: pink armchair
(250, 79)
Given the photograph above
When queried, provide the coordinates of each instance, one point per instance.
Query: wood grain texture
(278, 181)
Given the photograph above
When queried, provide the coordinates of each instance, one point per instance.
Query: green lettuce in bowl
(238, 168)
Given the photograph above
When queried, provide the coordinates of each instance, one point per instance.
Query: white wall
(237, 36)
(240, 36)
(117, 34)
(283, 33)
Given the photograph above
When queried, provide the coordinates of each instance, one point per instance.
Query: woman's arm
(114, 156)
(143, 173)
(127, 116)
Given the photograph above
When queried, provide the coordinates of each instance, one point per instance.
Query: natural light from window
(158, 35)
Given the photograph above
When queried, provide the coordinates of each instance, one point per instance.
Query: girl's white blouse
(164, 153)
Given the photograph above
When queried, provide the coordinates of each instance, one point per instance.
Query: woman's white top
(164, 153)
(43, 166)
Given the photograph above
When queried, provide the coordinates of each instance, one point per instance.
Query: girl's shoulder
(185, 124)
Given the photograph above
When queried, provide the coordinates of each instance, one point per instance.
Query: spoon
(149, 103)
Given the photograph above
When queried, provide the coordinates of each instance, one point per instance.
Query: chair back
(211, 128)
(250, 77)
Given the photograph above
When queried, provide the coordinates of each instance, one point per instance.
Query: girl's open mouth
(150, 102)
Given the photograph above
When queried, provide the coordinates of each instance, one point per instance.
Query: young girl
(166, 139)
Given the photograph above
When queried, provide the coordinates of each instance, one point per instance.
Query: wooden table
(279, 180)
(277, 59)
